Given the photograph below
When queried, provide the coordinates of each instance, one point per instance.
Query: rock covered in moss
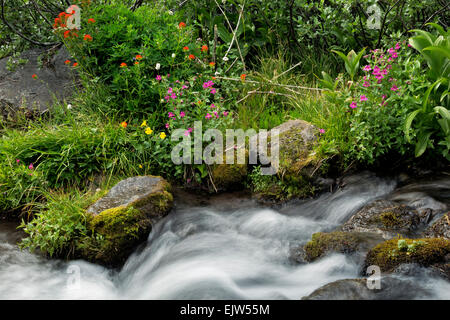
(123, 218)
(229, 177)
(340, 242)
(295, 141)
(424, 252)
(386, 218)
(391, 288)
(148, 194)
(439, 229)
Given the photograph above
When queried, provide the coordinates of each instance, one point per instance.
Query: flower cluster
(377, 76)
(190, 101)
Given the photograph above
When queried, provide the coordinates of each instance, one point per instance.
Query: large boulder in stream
(391, 288)
(387, 218)
(124, 217)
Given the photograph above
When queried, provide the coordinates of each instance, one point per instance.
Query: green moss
(390, 219)
(391, 253)
(229, 176)
(295, 153)
(321, 243)
(115, 234)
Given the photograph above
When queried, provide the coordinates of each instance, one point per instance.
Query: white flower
(69, 106)
(162, 100)
(216, 73)
(225, 59)
(173, 55)
(171, 12)
(158, 66)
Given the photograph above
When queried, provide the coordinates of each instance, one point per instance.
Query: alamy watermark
(374, 279)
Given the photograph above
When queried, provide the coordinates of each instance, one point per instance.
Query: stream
(224, 247)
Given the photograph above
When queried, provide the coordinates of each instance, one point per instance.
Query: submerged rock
(391, 288)
(386, 218)
(124, 217)
(339, 242)
(425, 252)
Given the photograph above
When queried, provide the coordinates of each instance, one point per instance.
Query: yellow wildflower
(162, 135)
(148, 131)
(144, 123)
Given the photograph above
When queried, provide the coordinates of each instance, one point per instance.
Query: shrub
(383, 102)
(58, 226)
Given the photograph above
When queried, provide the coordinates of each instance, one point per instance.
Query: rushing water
(228, 248)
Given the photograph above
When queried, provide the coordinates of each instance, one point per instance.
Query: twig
(234, 33)
(295, 66)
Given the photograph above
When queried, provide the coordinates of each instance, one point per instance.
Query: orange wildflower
(191, 57)
(124, 124)
(67, 62)
(123, 65)
(186, 48)
(87, 37)
(204, 48)
(182, 25)
(91, 20)
(243, 76)
(34, 76)
(138, 57)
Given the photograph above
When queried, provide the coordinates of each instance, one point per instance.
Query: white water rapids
(230, 249)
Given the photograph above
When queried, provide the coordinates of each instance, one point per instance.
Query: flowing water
(225, 248)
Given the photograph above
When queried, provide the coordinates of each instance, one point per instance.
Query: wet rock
(124, 217)
(440, 228)
(18, 88)
(350, 243)
(391, 288)
(417, 270)
(425, 252)
(386, 218)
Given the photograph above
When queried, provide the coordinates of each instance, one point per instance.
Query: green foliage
(20, 183)
(433, 115)
(393, 95)
(351, 61)
(59, 224)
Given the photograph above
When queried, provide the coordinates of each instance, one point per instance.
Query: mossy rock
(297, 162)
(116, 233)
(229, 177)
(123, 218)
(386, 218)
(392, 253)
(340, 242)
